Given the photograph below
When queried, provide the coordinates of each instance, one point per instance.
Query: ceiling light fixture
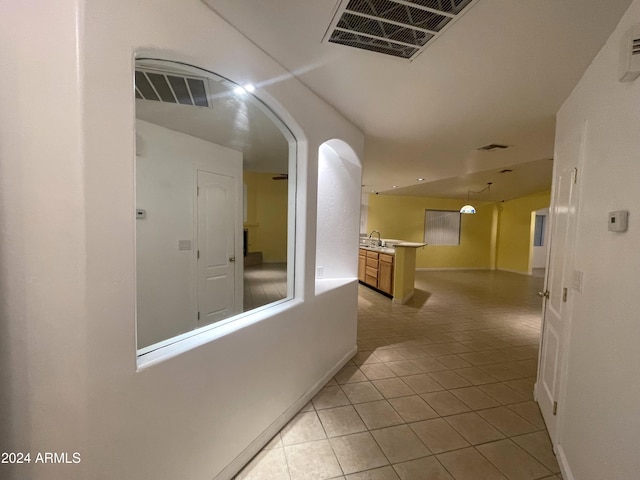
(420, 179)
(468, 208)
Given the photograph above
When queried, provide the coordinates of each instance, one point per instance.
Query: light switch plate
(184, 244)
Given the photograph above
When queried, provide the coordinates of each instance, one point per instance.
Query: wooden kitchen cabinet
(385, 273)
(362, 263)
(376, 270)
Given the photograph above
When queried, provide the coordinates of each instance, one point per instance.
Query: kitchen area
(388, 266)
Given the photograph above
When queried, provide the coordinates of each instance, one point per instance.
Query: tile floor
(441, 389)
(264, 283)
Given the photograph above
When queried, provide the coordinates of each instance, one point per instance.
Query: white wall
(339, 181)
(166, 166)
(67, 345)
(539, 254)
(599, 414)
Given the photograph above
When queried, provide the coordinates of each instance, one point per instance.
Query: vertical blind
(441, 227)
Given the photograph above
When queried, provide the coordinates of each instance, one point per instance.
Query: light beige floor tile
(428, 468)
(474, 398)
(473, 428)
(422, 383)
(393, 387)
(506, 421)
(411, 353)
(312, 460)
(341, 421)
(307, 408)
(365, 357)
(267, 465)
(513, 461)
(523, 386)
(350, 374)
(468, 464)
(377, 371)
(539, 446)
(389, 355)
(378, 414)
(358, 452)
(438, 435)
(304, 427)
(501, 372)
(412, 408)
(404, 367)
(475, 376)
(453, 361)
(400, 444)
(501, 393)
(445, 403)
(429, 364)
(331, 396)
(449, 379)
(530, 412)
(361, 392)
(275, 442)
(384, 473)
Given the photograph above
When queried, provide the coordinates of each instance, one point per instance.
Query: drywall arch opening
(338, 219)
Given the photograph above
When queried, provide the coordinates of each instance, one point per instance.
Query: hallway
(440, 389)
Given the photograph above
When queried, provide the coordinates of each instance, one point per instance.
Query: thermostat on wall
(618, 221)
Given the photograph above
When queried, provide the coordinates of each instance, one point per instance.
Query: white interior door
(555, 314)
(216, 267)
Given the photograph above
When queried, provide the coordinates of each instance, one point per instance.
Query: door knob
(232, 259)
(544, 294)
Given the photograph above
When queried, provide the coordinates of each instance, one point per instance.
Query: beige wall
(515, 231)
(267, 201)
(497, 236)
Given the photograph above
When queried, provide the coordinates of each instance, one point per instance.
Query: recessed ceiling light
(420, 179)
(394, 186)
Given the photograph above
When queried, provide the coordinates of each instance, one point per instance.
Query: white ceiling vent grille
(171, 88)
(401, 28)
(630, 56)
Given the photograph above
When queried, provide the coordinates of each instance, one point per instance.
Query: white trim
(261, 440)
(450, 269)
(564, 464)
(519, 272)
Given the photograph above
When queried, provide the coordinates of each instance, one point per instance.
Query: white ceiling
(497, 75)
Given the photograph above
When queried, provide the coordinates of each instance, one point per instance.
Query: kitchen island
(389, 270)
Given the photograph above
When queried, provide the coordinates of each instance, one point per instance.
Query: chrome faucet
(371, 242)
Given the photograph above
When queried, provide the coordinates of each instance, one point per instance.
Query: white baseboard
(514, 271)
(450, 269)
(564, 464)
(254, 447)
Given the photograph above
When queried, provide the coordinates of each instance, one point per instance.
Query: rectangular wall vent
(171, 88)
(400, 28)
(629, 68)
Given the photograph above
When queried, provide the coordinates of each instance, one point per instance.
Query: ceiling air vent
(493, 146)
(171, 88)
(400, 28)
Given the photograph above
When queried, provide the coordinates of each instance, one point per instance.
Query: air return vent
(400, 28)
(630, 57)
(171, 88)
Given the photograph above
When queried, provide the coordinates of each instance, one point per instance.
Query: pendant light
(468, 208)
